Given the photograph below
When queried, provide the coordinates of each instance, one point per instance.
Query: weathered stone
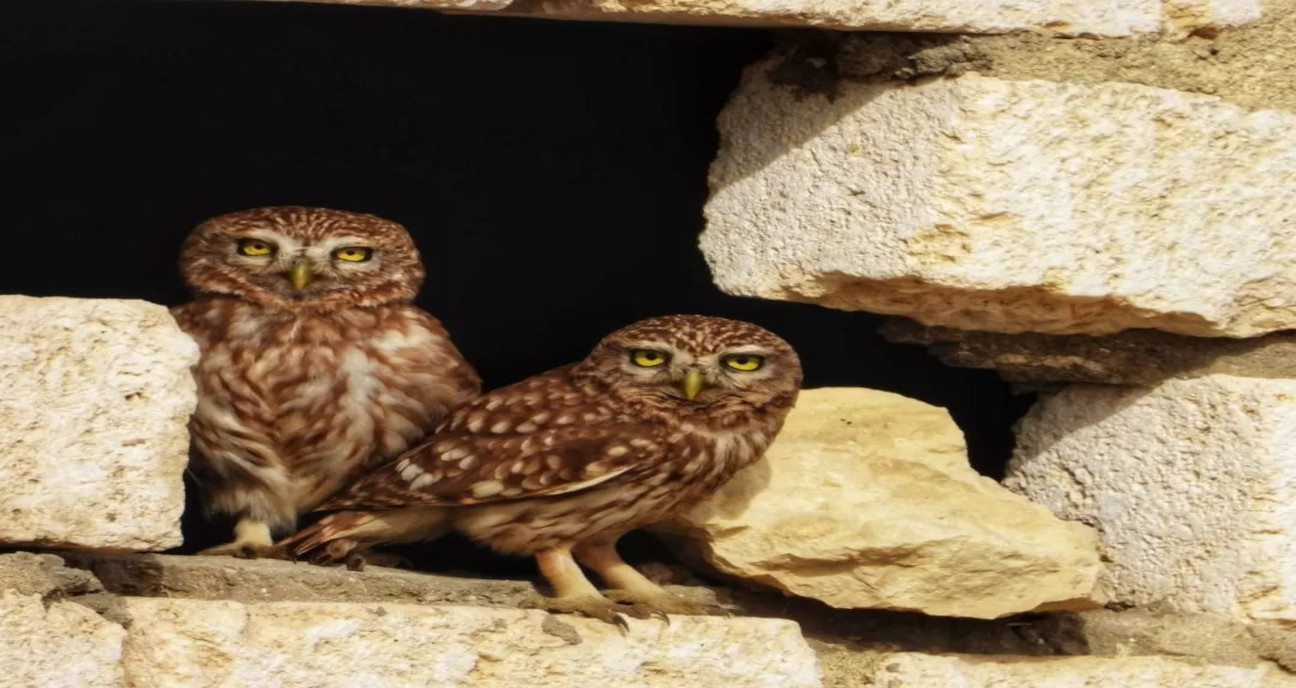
(915, 670)
(1191, 483)
(1065, 17)
(986, 204)
(1249, 65)
(866, 500)
(840, 636)
(317, 645)
(1105, 17)
(64, 645)
(266, 580)
(1132, 357)
(1183, 17)
(25, 573)
(93, 439)
(1213, 638)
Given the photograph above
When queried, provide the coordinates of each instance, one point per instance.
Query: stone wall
(1095, 198)
(1113, 210)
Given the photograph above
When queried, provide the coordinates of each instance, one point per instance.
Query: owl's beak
(693, 383)
(300, 275)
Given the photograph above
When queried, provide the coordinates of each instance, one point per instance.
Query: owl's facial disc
(295, 257)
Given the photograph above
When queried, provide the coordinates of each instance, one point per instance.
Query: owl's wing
(461, 469)
(538, 438)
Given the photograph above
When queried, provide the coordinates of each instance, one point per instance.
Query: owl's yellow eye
(353, 254)
(255, 247)
(647, 358)
(744, 362)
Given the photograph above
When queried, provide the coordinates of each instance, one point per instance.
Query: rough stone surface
(1106, 17)
(62, 645)
(1249, 66)
(318, 645)
(1191, 483)
(96, 395)
(25, 573)
(1213, 638)
(914, 670)
(843, 640)
(983, 203)
(1133, 357)
(866, 500)
(838, 636)
(1062, 17)
(267, 580)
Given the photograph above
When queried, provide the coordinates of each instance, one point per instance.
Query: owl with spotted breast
(315, 366)
(559, 466)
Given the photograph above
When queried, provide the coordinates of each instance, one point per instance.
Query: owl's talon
(660, 606)
(599, 608)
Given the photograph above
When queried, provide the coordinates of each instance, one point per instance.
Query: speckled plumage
(304, 387)
(578, 456)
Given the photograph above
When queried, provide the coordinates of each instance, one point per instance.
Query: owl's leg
(251, 539)
(603, 559)
(574, 593)
(632, 588)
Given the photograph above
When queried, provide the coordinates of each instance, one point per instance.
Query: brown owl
(562, 464)
(315, 366)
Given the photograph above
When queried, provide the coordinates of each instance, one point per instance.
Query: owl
(561, 465)
(315, 367)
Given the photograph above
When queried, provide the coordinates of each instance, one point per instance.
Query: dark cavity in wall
(553, 173)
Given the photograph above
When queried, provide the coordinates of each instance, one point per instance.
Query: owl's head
(697, 361)
(303, 258)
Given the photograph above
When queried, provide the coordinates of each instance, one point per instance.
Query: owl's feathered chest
(303, 363)
(711, 458)
(318, 395)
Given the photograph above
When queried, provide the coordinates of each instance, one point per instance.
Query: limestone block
(274, 580)
(1070, 17)
(26, 573)
(95, 395)
(1008, 206)
(866, 500)
(1062, 17)
(1191, 484)
(1249, 65)
(1132, 357)
(916, 670)
(1212, 638)
(63, 646)
(1182, 17)
(174, 642)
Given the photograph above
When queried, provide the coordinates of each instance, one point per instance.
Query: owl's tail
(310, 542)
(334, 537)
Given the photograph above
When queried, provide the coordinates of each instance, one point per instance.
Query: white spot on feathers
(486, 488)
